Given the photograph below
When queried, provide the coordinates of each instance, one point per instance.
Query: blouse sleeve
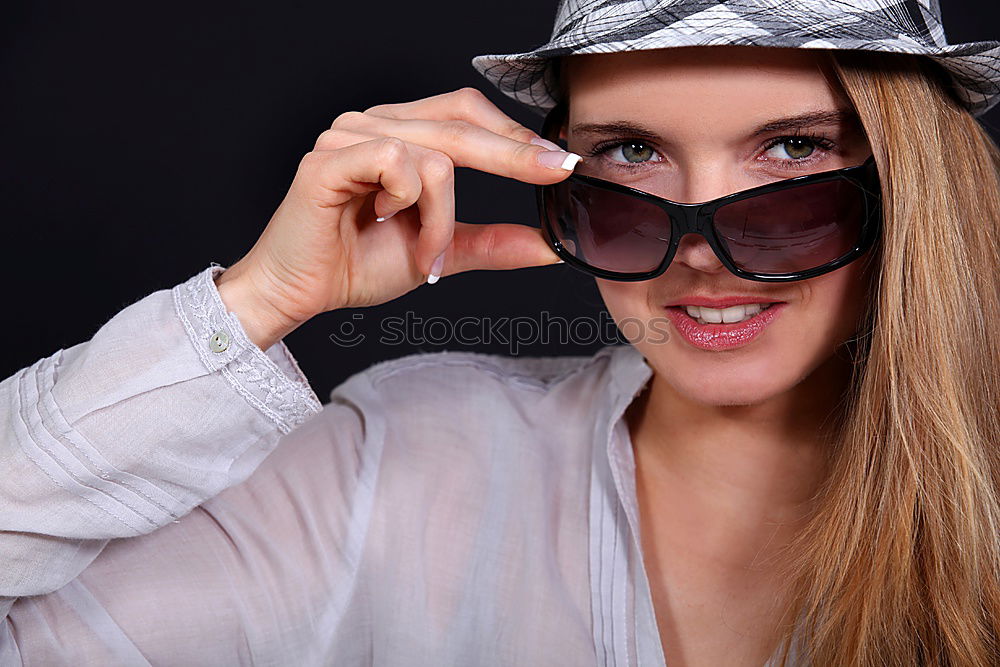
(166, 406)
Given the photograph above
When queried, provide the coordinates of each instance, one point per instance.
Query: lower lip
(716, 337)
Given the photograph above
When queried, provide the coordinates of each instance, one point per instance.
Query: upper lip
(719, 301)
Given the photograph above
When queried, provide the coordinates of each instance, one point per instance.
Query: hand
(323, 249)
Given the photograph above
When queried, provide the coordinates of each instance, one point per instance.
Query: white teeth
(733, 314)
(729, 315)
(711, 315)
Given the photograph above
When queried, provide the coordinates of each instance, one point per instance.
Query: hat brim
(528, 78)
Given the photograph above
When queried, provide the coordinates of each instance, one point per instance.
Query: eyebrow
(796, 122)
(809, 119)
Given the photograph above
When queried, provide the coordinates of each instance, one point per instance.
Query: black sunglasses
(793, 229)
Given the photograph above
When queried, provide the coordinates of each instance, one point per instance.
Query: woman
(814, 481)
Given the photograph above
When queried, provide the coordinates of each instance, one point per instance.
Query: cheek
(836, 303)
(626, 301)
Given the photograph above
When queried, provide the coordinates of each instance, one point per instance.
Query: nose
(703, 179)
(702, 182)
(693, 251)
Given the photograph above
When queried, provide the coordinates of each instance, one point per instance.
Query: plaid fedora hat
(609, 26)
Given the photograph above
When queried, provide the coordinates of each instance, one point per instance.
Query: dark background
(142, 142)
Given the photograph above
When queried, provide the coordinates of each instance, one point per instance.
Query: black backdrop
(142, 142)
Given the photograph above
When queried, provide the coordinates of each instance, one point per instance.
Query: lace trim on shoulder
(222, 344)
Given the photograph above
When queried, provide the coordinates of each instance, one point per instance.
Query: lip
(718, 337)
(719, 302)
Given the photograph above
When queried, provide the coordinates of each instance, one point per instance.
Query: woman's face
(702, 113)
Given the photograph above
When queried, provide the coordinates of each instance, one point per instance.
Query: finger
(437, 208)
(435, 197)
(333, 178)
(439, 170)
(331, 140)
(497, 246)
(468, 104)
(469, 145)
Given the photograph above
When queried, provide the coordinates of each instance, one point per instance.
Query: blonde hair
(899, 564)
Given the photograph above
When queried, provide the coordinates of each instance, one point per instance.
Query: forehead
(714, 83)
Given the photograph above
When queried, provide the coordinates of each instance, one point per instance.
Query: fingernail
(561, 261)
(545, 143)
(558, 160)
(436, 268)
(383, 219)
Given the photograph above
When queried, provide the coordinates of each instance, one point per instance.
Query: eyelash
(821, 142)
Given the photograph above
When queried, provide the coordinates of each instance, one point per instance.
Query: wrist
(263, 324)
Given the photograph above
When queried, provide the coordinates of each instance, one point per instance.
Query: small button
(219, 342)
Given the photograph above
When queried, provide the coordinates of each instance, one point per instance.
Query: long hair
(899, 563)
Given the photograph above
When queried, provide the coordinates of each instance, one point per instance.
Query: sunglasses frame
(699, 218)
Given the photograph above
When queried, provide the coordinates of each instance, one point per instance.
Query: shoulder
(434, 380)
(526, 373)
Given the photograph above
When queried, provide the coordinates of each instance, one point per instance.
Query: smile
(741, 313)
(717, 329)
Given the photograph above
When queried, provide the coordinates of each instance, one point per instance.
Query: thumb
(497, 246)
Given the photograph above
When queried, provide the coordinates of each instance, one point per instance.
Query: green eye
(798, 148)
(636, 152)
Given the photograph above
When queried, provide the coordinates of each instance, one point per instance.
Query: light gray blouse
(170, 494)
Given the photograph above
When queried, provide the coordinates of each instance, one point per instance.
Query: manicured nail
(558, 160)
(436, 268)
(545, 143)
(383, 219)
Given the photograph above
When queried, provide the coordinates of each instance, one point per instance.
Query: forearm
(124, 433)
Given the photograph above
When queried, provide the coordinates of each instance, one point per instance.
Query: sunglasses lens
(792, 230)
(607, 230)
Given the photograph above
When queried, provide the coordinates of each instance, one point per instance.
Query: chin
(724, 394)
(729, 379)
